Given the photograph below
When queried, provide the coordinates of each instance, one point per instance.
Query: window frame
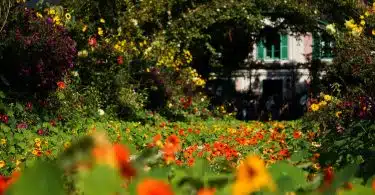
(283, 51)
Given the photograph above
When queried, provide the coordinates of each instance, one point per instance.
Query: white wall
(245, 78)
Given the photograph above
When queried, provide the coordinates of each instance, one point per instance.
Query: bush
(35, 54)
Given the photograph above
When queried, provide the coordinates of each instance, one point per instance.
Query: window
(273, 47)
(323, 45)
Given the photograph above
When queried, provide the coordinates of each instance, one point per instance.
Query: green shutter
(260, 50)
(284, 46)
(316, 47)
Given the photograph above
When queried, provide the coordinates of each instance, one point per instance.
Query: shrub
(35, 53)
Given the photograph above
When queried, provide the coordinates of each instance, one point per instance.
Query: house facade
(280, 67)
(280, 64)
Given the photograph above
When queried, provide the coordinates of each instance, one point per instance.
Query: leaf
(145, 155)
(159, 173)
(44, 178)
(284, 170)
(225, 191)
(19, 107)
(179, 174)
(299, 156)
(22, 145)
(2, 95)
(218, 181)
(286, 184)
(102, 180)
(358, 189)
(200, 168)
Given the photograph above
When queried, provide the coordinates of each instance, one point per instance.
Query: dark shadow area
(282, 96)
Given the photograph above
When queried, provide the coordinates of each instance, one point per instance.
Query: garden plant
(109, 97)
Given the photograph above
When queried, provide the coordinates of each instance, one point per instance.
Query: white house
(281, 63)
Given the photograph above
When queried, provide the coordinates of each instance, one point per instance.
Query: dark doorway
(272, 87)
(271, 100)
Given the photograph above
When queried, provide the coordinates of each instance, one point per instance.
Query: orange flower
(191, 161)
(168, 158)
(5, 182)
(174, 140)
(348, 186)
(206, 191)
(154, 187)
(373, 184)
(61, 85)
(157, 138)
(115, 155)
(122, 158)
(297, 134)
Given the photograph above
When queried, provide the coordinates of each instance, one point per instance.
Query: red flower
(297, 134)
(120, 60)
(92, 42)
(4, 118)
(284, 152)
(122, 158)
(5, 182)
(40, 132)
(181, 132)
(61, 85)
(191, 161)
(178, 162)
(29, 106)
(328, 175)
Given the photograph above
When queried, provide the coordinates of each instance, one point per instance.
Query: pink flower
(92, 42)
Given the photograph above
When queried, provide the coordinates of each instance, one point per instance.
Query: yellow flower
(367, 13)
(327, 98)
(159, 143)
(18, 162)
(56, 18)
(2, 163)
(39, 15)
(35, 152)
(83, 53)
(363, 22)
(322, 103)
(84, 28)
(251, 176)
(51, 12)
(3, 141)
(357, 30)
(67, 145)
(102, 20)
(373, 32)
(338, 114)
(100, 31)
(68, 16)
(362, 17)
(314, 107)
(37, 140)
(37, 144)
(331, 28)
(350, 24)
